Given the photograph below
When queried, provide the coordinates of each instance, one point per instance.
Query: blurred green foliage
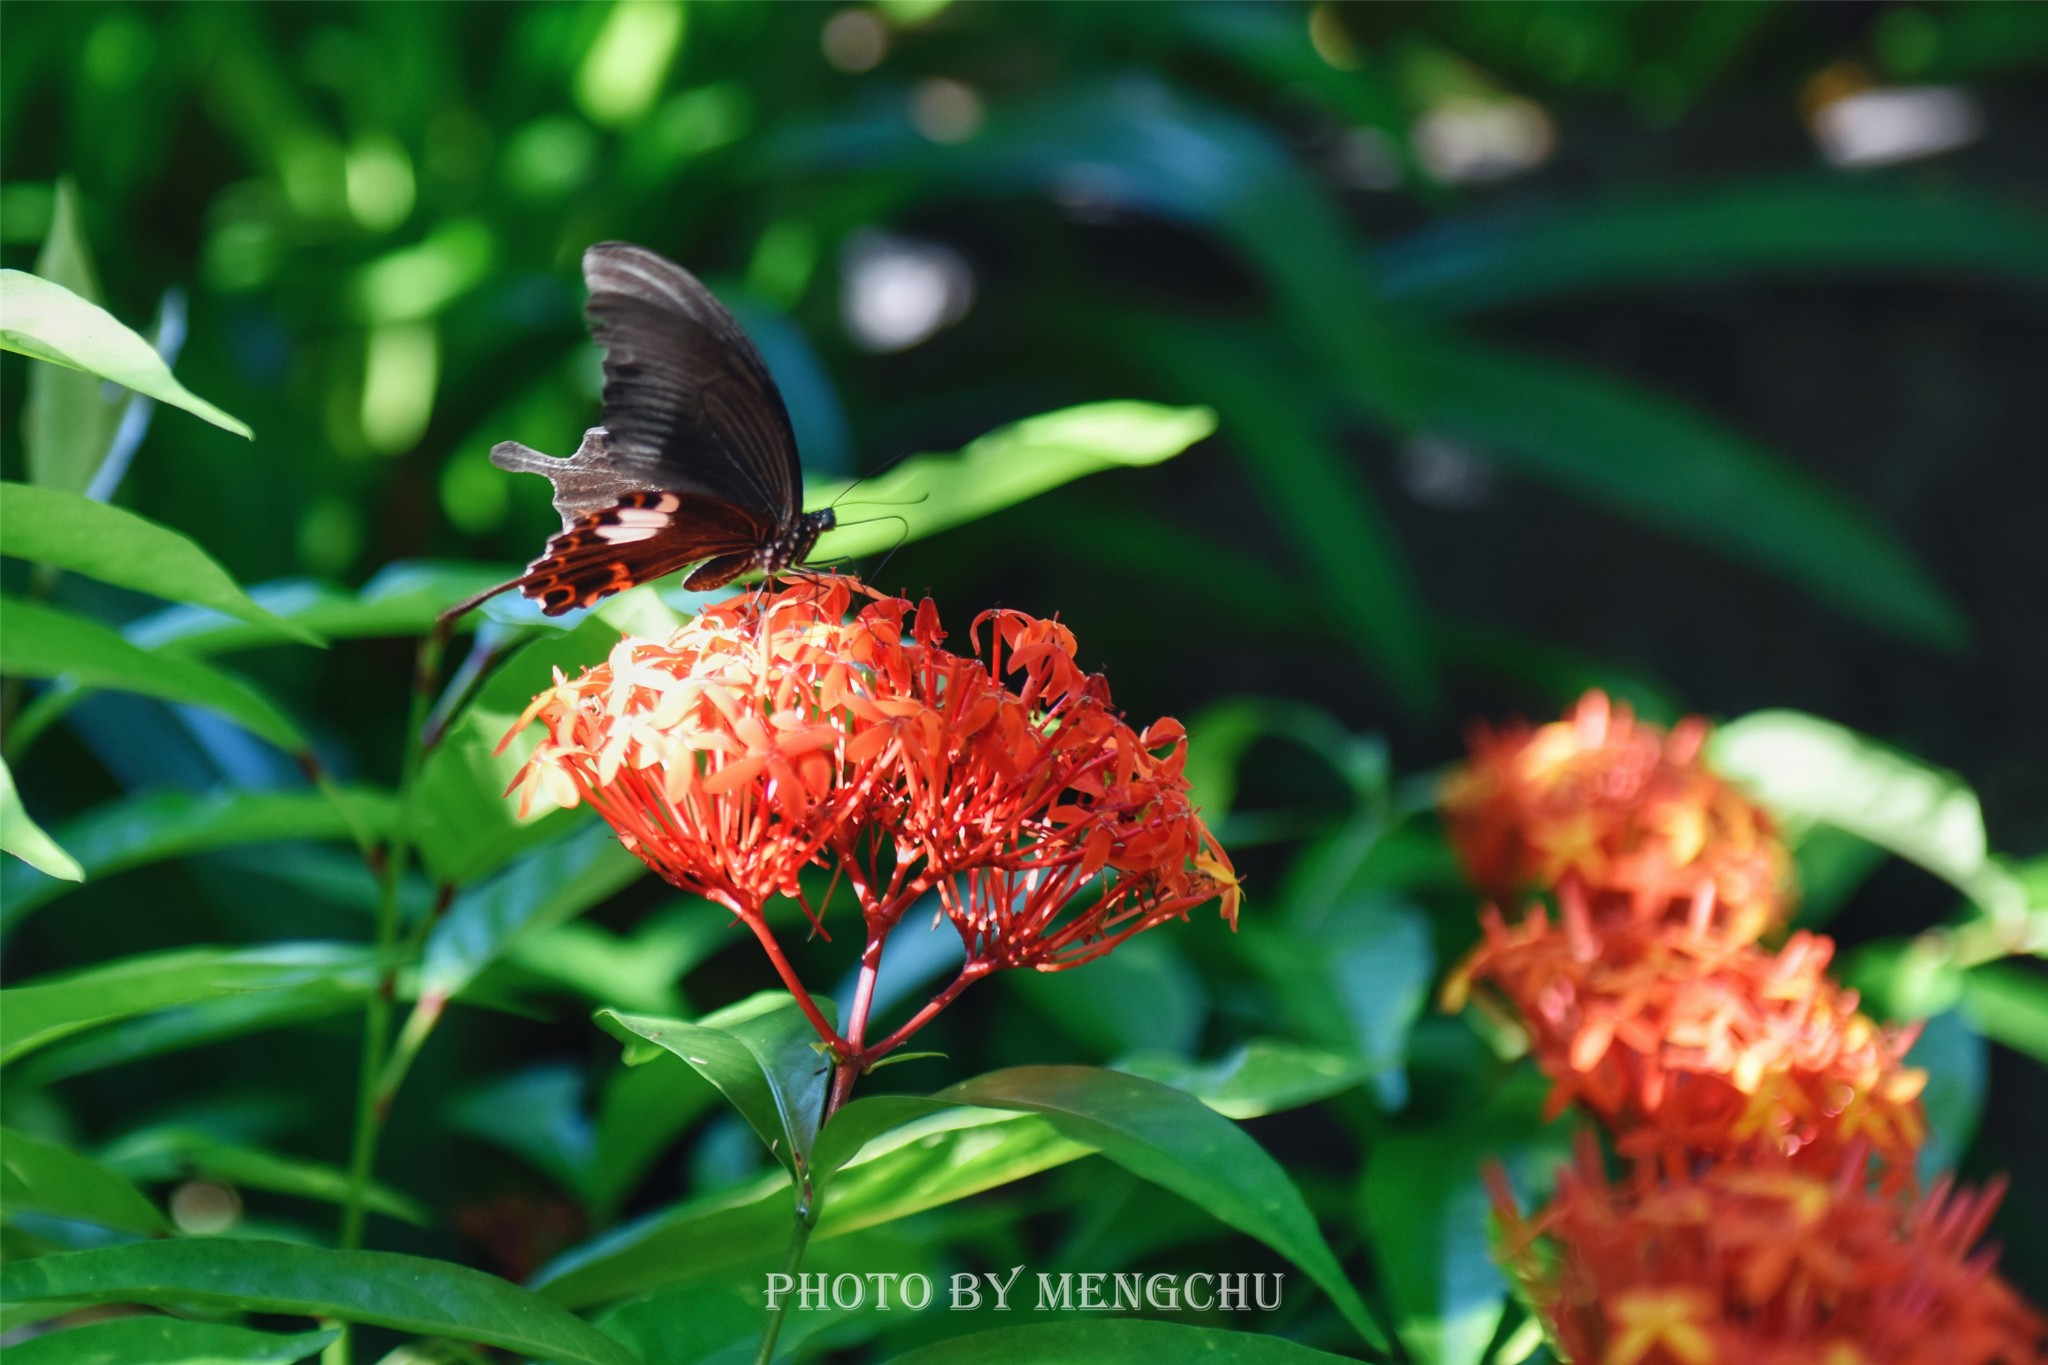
(355, 227)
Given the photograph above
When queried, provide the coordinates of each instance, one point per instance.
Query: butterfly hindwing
(643, 537)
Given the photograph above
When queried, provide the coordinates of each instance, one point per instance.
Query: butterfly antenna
(900, 541)
(860, 479)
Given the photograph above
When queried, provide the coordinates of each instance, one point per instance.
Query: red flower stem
(969, 974)
(755, 921)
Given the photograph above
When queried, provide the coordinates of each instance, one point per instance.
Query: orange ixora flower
(1622, 810)
(1689, 1047)
(1761, 1265)
(786, 730)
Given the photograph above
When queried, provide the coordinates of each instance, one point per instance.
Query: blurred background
(1692, 350)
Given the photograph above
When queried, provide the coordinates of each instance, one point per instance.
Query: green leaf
(41, 1177)
(150, 827)
(1810, 770)
(1263, 1076)
(1719, 232)
(402, 599)
(1953, 1054)
(72, 532)
(545, 888)
(67, 425)
(42, 642)
(25, 839)
(2009, 1004)
(408, 1293)
(1670, 466)
(940, 1158)
(1116, 1341)
(166, 1341)
(180, 1027)
(51, 323)
(1172, 1139)
(1426, 1211)
(761, 1053)
(49, 1008)
(1143, 996)
(932, 493)
(175, 1152)
(467, 824)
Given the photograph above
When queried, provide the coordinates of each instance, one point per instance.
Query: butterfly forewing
(688, 403)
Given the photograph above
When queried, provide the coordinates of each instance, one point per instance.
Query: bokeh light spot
(855, 40)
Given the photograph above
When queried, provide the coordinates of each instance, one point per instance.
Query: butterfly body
(696, 462)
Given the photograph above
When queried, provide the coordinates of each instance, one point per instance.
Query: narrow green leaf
(49, 1008)
(761, 1053)
(67, 425)
(150, 827)
(176, 1152)
(41, 1177)
(1810, 770)
(1312, 488)
(114, 545)
(933, 493)
(39, 641)
(1717, 232)
(166, 1341)
(1117, 1341)
(1174, 1140)
(546, 888)
(408, 1293)
(25, 839)
(179, 1027)
(1673, 467)
(51, 323)
(402, 599)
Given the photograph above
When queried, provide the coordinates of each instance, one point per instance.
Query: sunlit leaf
(927, 494)
(1260, 1077)
(409, 1293)
(51, 323)
(165, 1340)
(41, 1177)
(67, 424)
(72, 532)
(49, 1008)
(1810, 770)
(41, 641)
(1174, 1140)
(2009, 1005)
(25, 839)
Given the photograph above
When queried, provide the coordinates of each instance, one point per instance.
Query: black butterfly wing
(644, 536)
(688, 404)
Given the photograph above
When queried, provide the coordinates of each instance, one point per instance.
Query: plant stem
(754, 920)
(969, 974)
(377, 1017)
(799, 1237)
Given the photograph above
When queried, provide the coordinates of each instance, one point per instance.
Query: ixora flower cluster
(783, 731)
(1768, 1128)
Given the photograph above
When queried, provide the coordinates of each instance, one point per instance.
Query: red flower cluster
(1741, 1082)
(1623, 811)
(780, 731)
(1744, 1265)
(1687, 1047)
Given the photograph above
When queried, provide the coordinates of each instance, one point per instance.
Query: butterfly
(696, 462)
